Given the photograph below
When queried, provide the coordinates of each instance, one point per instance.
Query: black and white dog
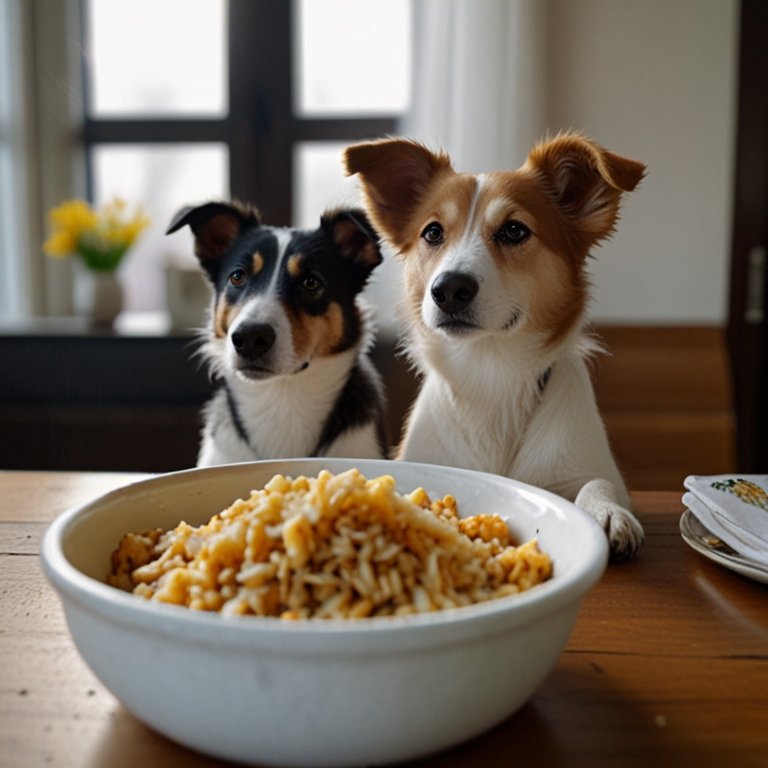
(287, 339)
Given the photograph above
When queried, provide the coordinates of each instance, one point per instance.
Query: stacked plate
(726, 520)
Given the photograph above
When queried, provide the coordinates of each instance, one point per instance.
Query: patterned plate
(707, 544)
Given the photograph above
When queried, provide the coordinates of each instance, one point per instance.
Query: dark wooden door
(748, 339)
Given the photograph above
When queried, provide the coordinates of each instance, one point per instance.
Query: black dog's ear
(215, 227)
(354, 236)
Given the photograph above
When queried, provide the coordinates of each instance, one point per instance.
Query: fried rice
(331, 546)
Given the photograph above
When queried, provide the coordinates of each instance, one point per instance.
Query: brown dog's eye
(238, 277)
(513, 233)
(433, 233)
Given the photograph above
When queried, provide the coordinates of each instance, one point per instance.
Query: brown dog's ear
(395, 174)
(586, 182)
(215, 226)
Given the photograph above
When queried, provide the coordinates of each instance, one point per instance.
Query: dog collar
(542, 381)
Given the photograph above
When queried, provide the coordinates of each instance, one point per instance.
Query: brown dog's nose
(453, 291)
(253, 340)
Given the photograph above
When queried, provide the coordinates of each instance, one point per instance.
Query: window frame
(260, 128)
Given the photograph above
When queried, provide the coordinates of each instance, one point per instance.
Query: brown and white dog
(287, 341)
(496, 296)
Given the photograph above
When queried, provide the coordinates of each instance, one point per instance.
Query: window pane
(162, 179)
(354, 57)
(319, 181)
(157, 58)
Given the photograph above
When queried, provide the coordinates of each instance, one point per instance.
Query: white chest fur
(283, 416)
(492, 415)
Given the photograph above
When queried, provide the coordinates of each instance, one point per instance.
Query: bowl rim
(135, 612)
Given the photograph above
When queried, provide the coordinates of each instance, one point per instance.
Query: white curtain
(40, 163)
(17, 173)
(479, 87)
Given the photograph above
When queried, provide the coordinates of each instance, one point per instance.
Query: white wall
(655, 80)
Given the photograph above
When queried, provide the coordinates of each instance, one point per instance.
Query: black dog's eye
(513, 233)
(433, 233)
(238, 277)
(312, 284)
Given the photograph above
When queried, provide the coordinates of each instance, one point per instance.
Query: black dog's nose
(253, 340)
(453, 291)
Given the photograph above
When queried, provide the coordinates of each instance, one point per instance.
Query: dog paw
(624, 532)
(623, 529)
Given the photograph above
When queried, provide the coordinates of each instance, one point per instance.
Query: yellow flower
(60, 244)
(101, 238)
(74, 217)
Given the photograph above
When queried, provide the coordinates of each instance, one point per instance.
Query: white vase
(98, 296)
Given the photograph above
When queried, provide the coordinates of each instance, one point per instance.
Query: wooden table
(667, 665)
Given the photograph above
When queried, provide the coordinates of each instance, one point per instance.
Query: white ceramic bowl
(319, 693)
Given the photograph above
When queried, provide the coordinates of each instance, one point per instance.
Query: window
(249, 99)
